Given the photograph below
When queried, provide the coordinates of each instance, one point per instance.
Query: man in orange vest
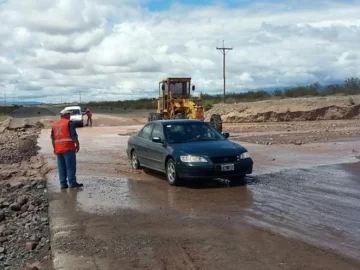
(65, 144)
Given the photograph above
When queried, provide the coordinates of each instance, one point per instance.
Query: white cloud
(117, 50)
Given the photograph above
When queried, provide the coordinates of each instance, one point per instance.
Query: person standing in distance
(89, 117)
(65, 144)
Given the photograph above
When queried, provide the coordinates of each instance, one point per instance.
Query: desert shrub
(351, 86)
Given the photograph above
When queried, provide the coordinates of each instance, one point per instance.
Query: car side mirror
(193, 87)
(156, 139)
(163, 87)
(226, 134)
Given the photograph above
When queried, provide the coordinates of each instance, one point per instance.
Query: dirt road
(294, 219)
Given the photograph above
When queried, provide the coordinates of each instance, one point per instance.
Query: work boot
(65, 186)
(77, 185)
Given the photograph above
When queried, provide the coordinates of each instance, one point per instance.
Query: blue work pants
(67, 167)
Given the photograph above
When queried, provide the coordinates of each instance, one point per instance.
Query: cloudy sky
(119, 49)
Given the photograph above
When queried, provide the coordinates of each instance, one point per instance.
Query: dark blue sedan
(184, 148)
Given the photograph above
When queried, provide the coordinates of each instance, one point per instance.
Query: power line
(224, 51)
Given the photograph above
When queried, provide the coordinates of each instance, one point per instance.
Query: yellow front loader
(175, 102)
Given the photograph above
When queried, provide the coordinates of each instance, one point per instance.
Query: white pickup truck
(76, 115)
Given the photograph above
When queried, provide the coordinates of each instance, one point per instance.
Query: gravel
(24, 224)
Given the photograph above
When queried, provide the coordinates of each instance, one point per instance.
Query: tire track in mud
(173, 256)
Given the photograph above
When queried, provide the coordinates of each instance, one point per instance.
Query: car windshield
(191, 132)
(75, 112)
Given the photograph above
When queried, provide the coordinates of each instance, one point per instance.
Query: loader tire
(179, 116)
(157, 116)
(216, 122)
(154, 116)
(150, 117)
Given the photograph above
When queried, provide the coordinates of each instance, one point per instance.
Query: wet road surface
(280, 220)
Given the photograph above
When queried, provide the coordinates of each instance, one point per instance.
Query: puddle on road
(106, 195)
(319, 205)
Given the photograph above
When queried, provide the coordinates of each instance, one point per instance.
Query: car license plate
(227, 167)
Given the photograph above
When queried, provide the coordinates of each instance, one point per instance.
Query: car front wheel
(135, 164)
(171, 173)
(238, 181)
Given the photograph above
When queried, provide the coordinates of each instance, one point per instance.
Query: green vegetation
(143, 103)
(351, 86)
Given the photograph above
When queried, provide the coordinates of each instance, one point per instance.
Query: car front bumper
(211, 171)
(78, 122)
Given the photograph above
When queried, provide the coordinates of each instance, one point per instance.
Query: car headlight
(244, 155)
(189, 158)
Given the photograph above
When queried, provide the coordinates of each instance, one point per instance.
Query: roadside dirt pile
(295, 109)
(17, 146)
(18, 155)
(24, 230)
(297, 132)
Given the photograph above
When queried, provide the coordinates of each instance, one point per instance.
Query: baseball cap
(65, 112)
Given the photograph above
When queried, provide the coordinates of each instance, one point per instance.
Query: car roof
(177, 121)
(72, 107)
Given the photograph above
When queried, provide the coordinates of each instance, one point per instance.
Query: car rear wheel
(135, 164)
(171, 173)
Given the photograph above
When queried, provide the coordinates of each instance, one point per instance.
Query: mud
(292, 219)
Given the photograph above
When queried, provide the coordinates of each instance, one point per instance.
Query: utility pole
(224, 51)
(80, 97)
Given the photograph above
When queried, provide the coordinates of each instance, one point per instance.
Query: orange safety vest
(62, 136)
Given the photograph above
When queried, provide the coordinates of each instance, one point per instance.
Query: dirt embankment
(24, 227)
(295, 109)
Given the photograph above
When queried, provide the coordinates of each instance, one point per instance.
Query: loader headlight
(190, 158)
(244, 155)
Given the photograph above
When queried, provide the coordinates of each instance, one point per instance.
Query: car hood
(209, 148)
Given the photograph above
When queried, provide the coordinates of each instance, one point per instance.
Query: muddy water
(317, 205)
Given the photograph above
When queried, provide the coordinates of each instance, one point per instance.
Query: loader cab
(176, 87)
(173, 90)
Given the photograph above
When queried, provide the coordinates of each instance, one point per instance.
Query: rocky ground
(24, 227)
(24, 230)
